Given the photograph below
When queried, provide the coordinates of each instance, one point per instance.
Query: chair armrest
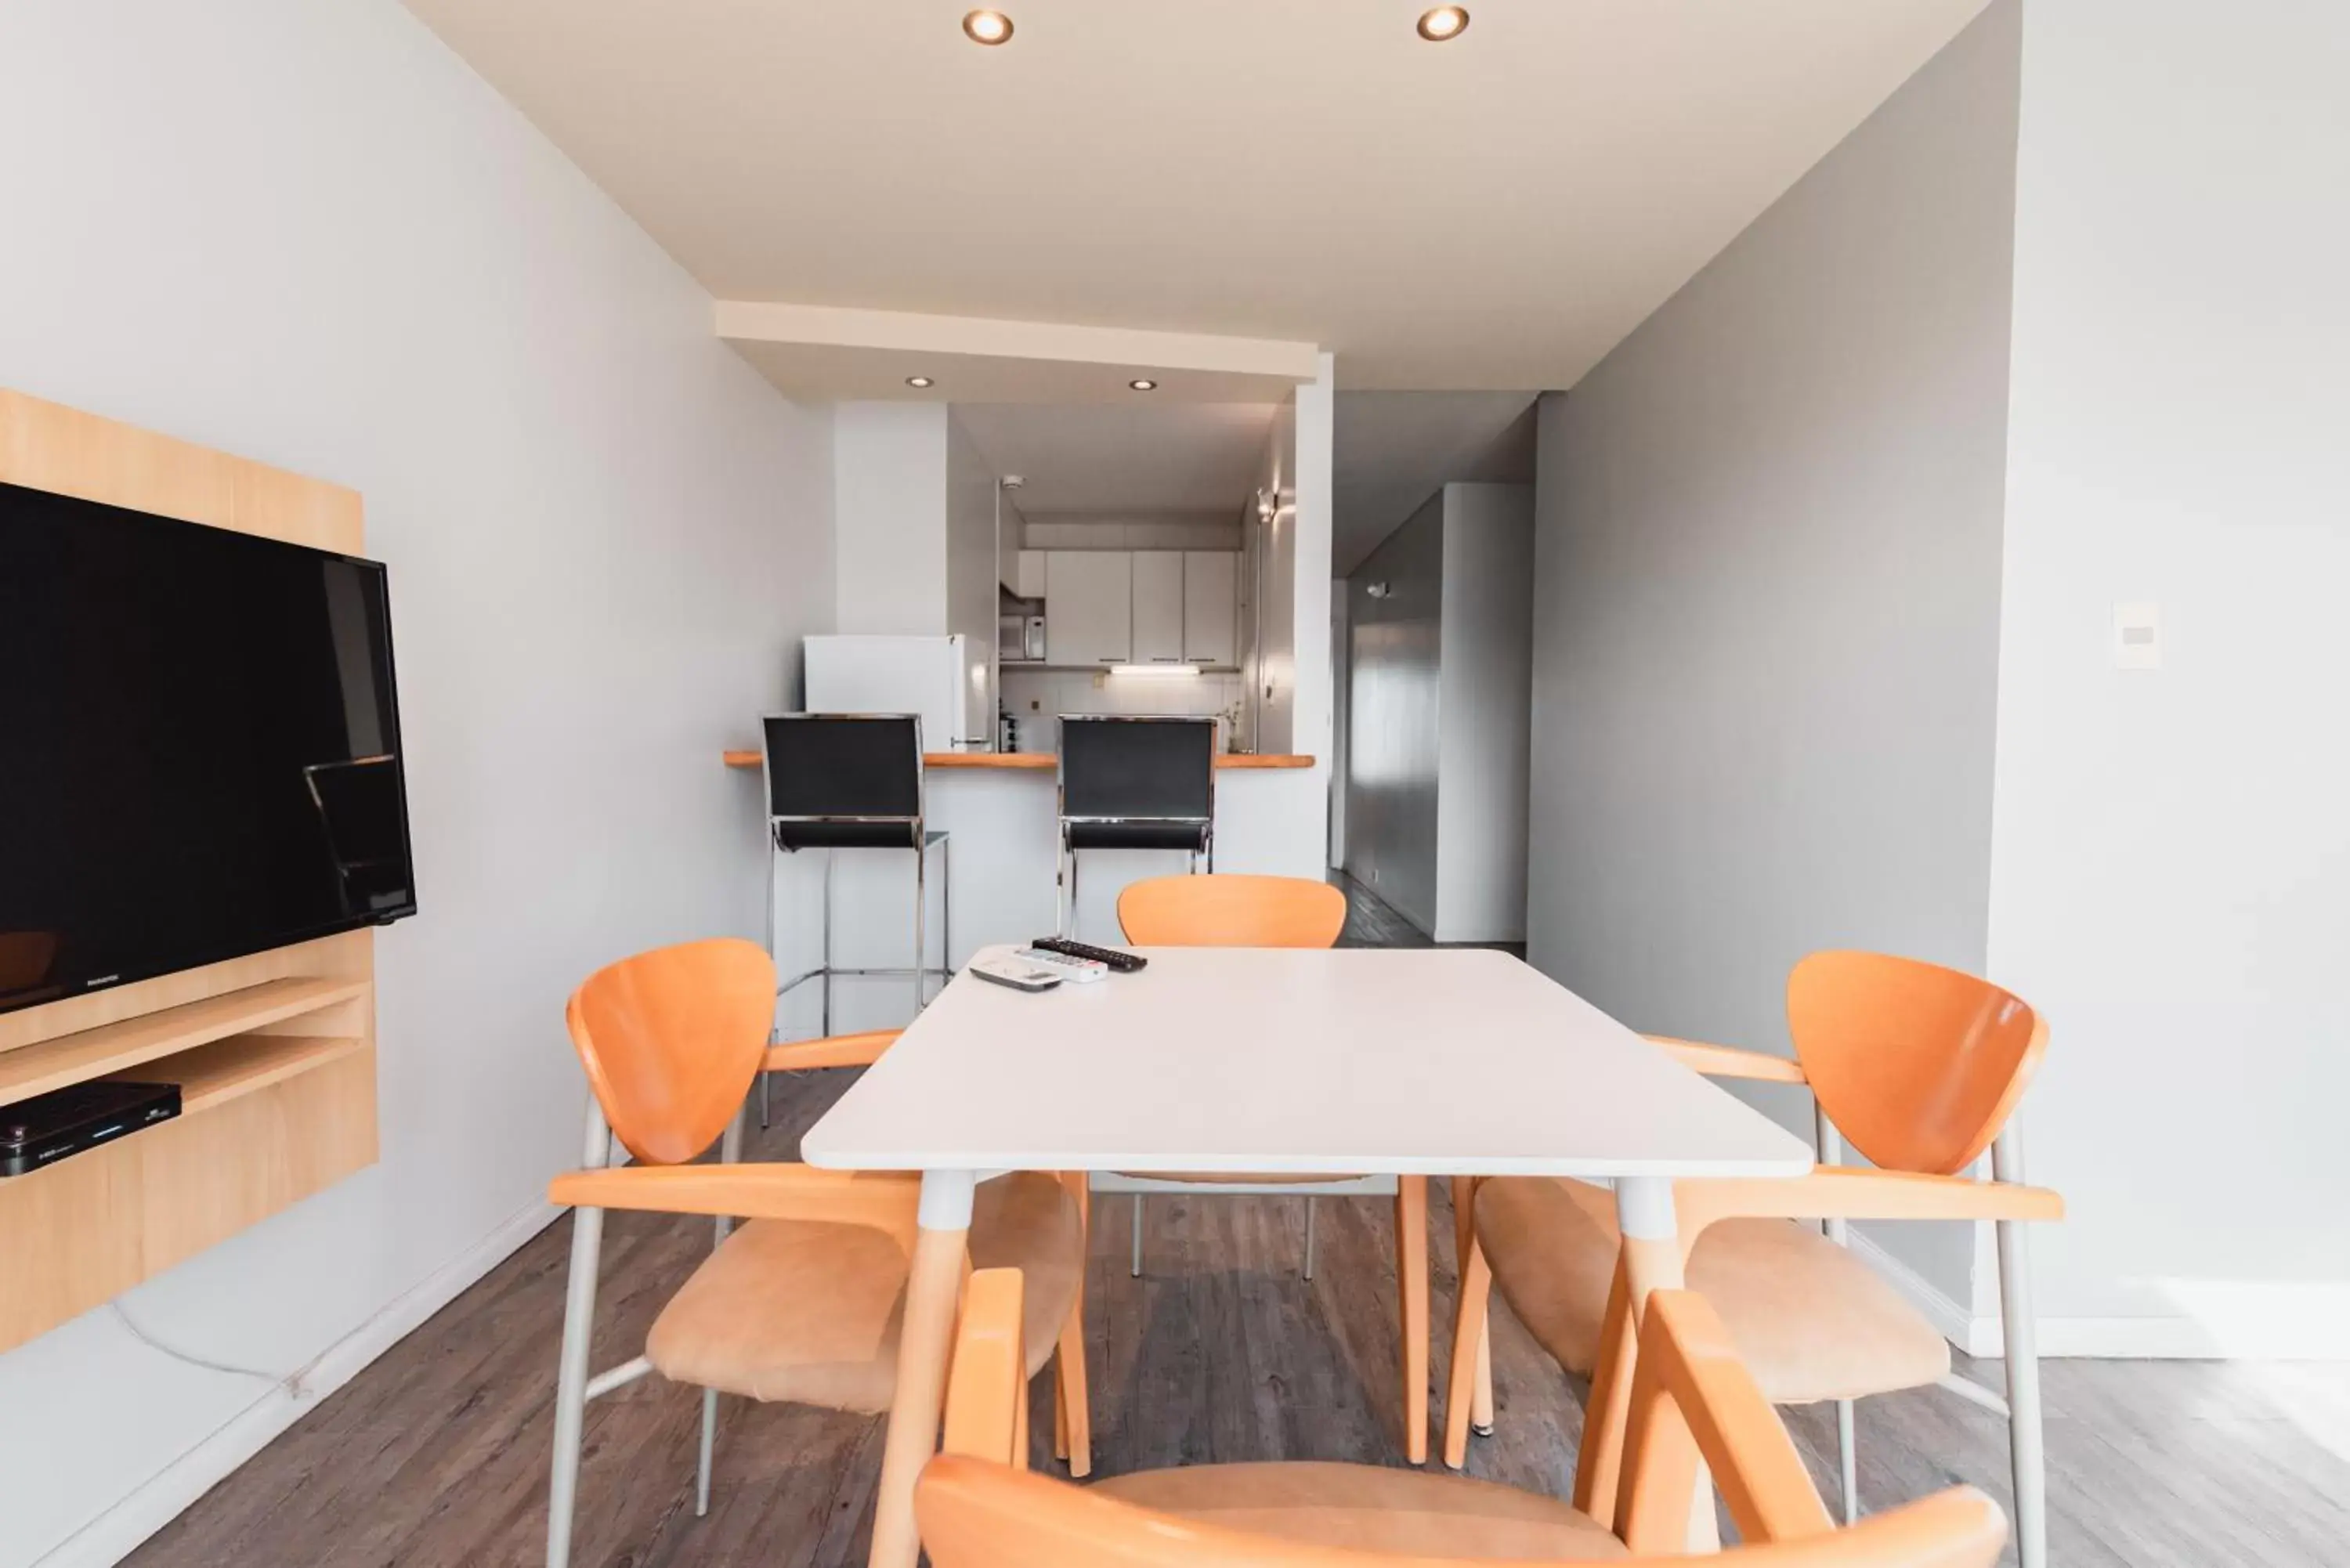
(1692, 1397)
(884, 1200)
(1848, 1192)
(832, 1051)
(987, 1389)
(1728, 1062)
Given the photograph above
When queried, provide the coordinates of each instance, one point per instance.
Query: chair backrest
(1137, 770)
(1229, 910)
(854, 772)
(1692, 1401)
(671, 1040)
(1918, 1066)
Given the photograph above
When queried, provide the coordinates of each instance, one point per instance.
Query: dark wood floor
(1373, 922)
(437, 1453)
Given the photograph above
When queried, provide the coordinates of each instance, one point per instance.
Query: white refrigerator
(934, 676)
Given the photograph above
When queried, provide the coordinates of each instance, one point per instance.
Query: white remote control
(1013, 972)
(1075, 970)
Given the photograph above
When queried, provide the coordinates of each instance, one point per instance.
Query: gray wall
(1485, 683)
(1438, 729)
(1768, 593)
(972, 575)
(1392, 732)
(1342, 677)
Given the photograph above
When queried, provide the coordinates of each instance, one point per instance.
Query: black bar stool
(852, 781)
(1134, 783)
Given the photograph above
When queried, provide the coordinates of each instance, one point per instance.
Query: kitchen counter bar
(999, 812)
(1044, 760)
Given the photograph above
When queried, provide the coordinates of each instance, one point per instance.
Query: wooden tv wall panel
(274, 1054)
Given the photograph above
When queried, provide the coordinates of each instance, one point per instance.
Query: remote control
(1118, 963)
(1008, 971)
(1080, 972)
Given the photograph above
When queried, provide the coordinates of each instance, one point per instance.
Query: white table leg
(1652, 1261)
(933, 1287)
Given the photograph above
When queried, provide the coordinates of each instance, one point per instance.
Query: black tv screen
(199, 747)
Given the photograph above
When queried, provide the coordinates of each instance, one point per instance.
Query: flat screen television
(199, 747)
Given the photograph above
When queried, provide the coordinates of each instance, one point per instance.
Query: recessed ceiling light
(919, 381)
(994, 28)
(1143, 384)
(1438, 25)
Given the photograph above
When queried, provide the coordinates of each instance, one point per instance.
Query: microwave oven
(1020, 638)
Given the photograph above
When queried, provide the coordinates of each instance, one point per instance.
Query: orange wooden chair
(1920, 1067)
(1227, 911)
(801, 1303)
(1691, 1403)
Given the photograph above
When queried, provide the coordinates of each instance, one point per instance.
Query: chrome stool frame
(865, 741)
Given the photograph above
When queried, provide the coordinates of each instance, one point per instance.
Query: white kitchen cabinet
(1089, 606)
(1029, 576)
(1211, 580)
(1157, 606)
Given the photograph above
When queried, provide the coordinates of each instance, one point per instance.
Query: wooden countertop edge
(1268, 760)
(1044, 761)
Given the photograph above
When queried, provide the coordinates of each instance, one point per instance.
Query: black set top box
(49, 1128)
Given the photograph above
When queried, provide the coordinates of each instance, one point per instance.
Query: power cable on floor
(291, 1381)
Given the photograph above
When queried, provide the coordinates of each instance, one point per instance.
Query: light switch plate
(2137, 636)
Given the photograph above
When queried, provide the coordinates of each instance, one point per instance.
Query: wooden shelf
(113, 1048)
(214, 1075)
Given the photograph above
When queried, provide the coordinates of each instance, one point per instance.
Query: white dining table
(1448, 1062)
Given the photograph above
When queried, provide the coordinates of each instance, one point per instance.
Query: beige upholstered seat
(809, 1312)
(1408, 1513)
(1811, 1321)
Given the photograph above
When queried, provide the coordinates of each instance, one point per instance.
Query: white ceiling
(1494, 212)
(818, 352)
(1135, 460)
(1392, 451)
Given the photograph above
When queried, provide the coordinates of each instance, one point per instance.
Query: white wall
(1485, 677)
(1274, 571)
(1308, 582)
(1012, 542)
(914, 536)
(1297, 604)
(889, 518)
(307, 233)
(2171, 855)
(1767, 594)
(974, 572)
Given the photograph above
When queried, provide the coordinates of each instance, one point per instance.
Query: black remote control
(1118, 963)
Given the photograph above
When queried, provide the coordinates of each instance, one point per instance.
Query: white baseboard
(2256, 1321)
(2262, 1321)
(162, 1497)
